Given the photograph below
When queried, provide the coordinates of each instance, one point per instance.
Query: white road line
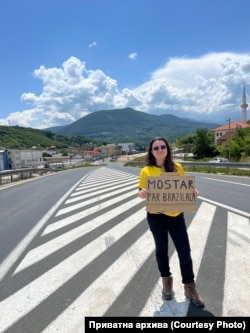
(237, 278)
(237, 211)
(102, 175)
(104, 290)
(18, 250)
(97, 200)
(225, 181)
(101, 185)
(94, 181)
(97, 191)
(27, 298)
(59, 242)
(86, 212)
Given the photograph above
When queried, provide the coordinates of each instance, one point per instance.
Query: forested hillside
(101, 127)
(128, 125)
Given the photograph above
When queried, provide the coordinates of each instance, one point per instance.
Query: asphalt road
(77, 244)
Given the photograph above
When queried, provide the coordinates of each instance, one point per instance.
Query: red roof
(92, 152)
(233, 125)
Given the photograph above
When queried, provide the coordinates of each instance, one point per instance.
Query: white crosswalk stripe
(237, 266)
(102, 196)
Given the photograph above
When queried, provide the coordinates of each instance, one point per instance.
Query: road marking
(28, 297)
(236, 292)
(98, 193)
(18, 250)
(225, 181)
(240, 212)
(63, 240)
(106, 287)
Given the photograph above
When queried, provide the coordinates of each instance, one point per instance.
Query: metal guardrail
(227, 166)
(235, 165)
(9, 176)
(209, 166)
(215, 164)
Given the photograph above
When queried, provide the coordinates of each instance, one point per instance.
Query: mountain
(55, 129)
(129, 125)
(28, 138)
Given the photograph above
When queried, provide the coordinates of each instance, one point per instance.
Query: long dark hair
(150, 160)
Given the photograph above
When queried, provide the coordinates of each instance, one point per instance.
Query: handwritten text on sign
(170, 193)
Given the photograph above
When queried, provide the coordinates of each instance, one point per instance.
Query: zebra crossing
(95, 257)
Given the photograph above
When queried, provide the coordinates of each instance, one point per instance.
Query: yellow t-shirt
(153, 171)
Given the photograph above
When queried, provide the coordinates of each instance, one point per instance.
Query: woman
(158, 160)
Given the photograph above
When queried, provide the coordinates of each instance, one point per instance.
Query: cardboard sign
(170, 192)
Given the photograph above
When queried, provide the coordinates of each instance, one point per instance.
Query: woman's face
(159, 149)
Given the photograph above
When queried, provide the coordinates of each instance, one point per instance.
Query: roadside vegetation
(200, 147)
(16, 137)
(201, 144)
(214, 169)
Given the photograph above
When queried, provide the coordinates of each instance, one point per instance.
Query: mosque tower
(244, 105)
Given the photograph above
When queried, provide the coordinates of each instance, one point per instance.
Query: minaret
(244, 105)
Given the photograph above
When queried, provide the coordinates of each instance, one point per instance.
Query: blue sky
(63, 59)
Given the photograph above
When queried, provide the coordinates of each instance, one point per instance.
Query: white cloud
(93, 44)
(208, 86)
(133, 56)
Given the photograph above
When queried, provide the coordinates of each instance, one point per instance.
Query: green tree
(203, 144)
(239, 144)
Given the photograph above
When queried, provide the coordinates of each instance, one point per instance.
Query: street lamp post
(229, 144)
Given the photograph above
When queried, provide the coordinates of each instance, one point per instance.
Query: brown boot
(191, 293)
(167, 291)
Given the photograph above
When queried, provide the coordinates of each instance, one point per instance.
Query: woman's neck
(160, 163)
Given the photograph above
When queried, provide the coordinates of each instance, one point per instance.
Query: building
(127, 148)
(4, 162)
(14, 156)
(223, 133)
(111, 149)
(24, 158)
(92, 155)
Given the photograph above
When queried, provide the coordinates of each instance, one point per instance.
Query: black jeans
(161, 225)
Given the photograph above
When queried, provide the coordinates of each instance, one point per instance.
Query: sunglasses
(156, 148)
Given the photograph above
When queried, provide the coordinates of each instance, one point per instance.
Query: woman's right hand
(142, 193)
